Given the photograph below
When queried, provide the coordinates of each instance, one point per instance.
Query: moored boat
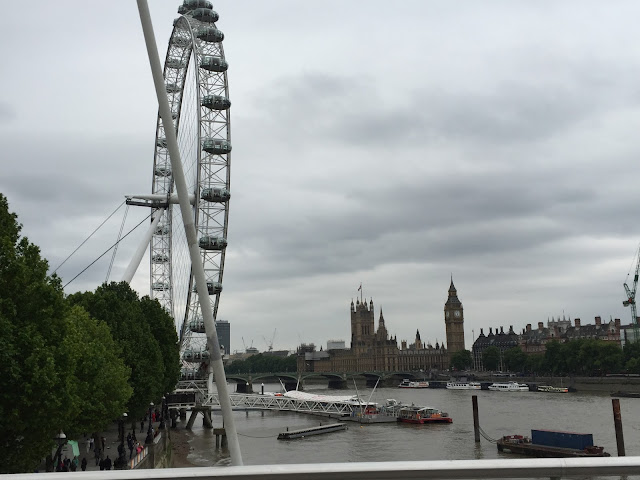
(551, 389)
(626, 394)
(406, 383)
(551, 444)
(509, 387)
(422, 415)
(375, 413)
(464, 386)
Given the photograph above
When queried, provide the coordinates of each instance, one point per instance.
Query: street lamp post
(149, 438)
(162, 410)
(120, 463)
(61, 440)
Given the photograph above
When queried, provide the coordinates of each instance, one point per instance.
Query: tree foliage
(139, 328)
(491, 358)
(585, 356)
(59, 369)
(461, 360)
(515, 359)
(100, 380)
(164, 331)
(263, 364)
(34, 402)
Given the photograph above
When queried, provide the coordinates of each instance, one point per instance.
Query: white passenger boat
(509, 387)
(406, 383)
(463, 386)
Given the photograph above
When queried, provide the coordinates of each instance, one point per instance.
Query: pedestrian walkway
(111, 442)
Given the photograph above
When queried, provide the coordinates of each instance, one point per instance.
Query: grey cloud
(7, 112)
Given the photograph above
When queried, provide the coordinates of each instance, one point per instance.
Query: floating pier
(305, 432)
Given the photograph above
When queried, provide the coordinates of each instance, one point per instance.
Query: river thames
(501, 413)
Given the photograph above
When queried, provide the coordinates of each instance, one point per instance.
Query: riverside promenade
(111, 442)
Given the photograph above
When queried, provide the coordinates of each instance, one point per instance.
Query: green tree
(631, 357)
(534, 364)
(262, 363)
(515, 359)
(100, 378)
(461, 360)
(610, 357)
(119, 307)
(34, 402)
(164, 330)
(491, 358)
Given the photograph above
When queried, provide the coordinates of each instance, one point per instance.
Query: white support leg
(137, 257)
(190, 231)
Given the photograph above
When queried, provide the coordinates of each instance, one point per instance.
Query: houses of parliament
(375, 350)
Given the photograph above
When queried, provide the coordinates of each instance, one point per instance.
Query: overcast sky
(392, 144)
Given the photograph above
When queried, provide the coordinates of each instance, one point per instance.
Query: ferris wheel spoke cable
(107, 250)
(115, 250)
(91, 235)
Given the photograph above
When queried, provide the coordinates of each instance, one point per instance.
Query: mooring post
(476, 423)
(617, 422)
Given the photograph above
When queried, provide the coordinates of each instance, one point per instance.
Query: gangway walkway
(241, 401)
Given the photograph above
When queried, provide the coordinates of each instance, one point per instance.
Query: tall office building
(224, 335)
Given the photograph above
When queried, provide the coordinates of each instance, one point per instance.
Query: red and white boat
(421, 415)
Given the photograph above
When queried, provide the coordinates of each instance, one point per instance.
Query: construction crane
(246, 349)
(270, 343)
(631, 297)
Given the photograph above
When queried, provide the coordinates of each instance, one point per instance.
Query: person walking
(130, 445)
(107, 463)
(83, 465)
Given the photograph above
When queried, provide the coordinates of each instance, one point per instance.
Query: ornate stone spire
(453, 300)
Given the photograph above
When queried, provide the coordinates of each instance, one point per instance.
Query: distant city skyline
(388, 146)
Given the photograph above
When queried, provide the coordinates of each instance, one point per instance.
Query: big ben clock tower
(454, 321)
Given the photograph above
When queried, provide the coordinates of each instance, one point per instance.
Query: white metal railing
(450, 469)
(270, 402)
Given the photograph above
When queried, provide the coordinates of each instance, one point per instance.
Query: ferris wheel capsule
(214, 64)
(210, 34)
(218, 146)
(215, 102)
(212, 243)
(212, 194)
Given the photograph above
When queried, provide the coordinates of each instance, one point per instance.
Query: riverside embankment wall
(582, 384)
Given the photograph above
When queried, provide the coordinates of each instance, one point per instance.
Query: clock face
(456, 313)
(446, 314)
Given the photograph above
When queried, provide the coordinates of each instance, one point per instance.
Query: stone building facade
(534, 340)
(501, 340)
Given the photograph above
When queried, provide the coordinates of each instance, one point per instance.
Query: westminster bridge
(247, 382)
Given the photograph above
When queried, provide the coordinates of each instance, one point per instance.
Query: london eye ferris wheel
(195, 76)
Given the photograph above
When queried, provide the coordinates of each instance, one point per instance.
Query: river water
(500, 413)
